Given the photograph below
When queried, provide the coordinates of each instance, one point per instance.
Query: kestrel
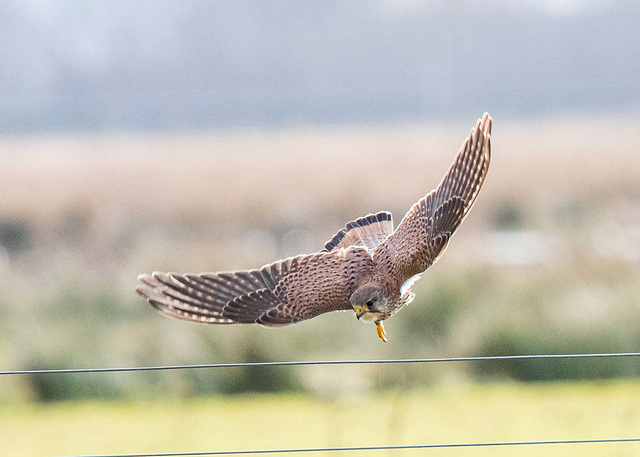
(367, 267)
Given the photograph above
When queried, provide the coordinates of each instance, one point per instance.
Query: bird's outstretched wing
(281, 293)
(425, 230)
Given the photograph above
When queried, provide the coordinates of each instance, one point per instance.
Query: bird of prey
(367, 267)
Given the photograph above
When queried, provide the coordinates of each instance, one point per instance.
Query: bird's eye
(369, 303)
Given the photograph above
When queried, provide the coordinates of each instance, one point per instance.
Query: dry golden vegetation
(309, 170)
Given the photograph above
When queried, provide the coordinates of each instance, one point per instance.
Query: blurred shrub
(15, 236)
(260, 379)
(240, 379)
(512, 342)
(434, 312)
(60, 387)
(507, 215)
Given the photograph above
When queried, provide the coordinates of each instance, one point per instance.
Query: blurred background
(215, 135)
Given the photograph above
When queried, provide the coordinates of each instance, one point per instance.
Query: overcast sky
(120, 65)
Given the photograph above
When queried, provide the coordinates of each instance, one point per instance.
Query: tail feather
(368, 231)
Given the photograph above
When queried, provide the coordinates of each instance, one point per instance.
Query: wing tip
(156, 291)
(486, 122)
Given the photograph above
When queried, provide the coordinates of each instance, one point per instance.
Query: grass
(448, 414)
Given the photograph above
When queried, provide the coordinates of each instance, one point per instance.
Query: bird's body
(367, 267)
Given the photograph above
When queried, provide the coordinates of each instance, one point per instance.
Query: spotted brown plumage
(281, 293)
(366, 266)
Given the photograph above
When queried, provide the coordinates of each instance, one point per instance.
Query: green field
(454, 414)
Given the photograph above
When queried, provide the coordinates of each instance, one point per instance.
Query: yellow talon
(381, 333)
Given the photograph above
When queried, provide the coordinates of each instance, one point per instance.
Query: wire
(320, 362)
(346, 362)
(374, 448)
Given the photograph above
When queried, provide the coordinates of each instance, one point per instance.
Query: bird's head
(369, 302)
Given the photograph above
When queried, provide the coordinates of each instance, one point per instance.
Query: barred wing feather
(425, 231)
(281, 293)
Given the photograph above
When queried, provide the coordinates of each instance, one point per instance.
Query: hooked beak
(359, 312)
